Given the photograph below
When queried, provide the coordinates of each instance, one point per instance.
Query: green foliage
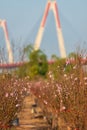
(37, 64)
(54, 57)
(69, 68)
(23, 70)
(38, 61)
(57, 67)
(72, 55)
(28, 50)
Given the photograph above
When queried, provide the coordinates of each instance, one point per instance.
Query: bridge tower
(10, 54)
(51, 5)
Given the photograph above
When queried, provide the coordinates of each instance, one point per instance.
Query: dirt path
(31, 116)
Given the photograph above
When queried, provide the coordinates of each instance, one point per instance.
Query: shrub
(37, 64)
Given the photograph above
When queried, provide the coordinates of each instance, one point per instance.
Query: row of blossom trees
(61, 90)
(13, 90)
(63, 96)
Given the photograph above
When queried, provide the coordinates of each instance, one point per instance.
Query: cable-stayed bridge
(51, 6)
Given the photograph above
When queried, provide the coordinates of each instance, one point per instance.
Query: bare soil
(31, 117)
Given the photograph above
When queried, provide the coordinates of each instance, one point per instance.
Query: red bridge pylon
(10, 54)
(51, 5)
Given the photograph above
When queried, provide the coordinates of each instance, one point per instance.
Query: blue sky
(23, 18)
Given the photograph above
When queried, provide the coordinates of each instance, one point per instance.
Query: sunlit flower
(12, 94)
(45, 102)
(17, 105)
(85, 78)
(76, 79)
(6, 95)
(65, 75)
(85, 83)
(74, 67)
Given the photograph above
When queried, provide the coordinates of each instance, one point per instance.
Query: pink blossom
(45, 102)
(85, 78)
(6, 95)
(17, 105)
(65, 75)
(76, 79)
(85, 83)
(12, 94)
